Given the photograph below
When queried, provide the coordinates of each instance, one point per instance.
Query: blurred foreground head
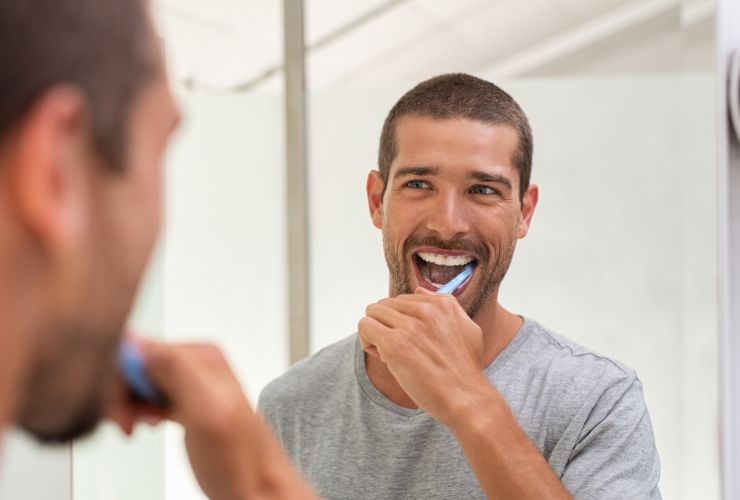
(85, 114)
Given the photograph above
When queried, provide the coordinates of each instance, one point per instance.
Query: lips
(435, 268)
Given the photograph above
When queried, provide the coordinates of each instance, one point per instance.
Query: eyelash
(420, 184)
(492, 190)
(409, 184)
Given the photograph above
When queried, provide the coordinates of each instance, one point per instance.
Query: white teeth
(445, 260)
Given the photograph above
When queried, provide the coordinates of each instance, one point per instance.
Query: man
(452, 396)
(85, 114)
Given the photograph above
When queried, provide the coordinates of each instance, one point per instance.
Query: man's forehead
(434, 142)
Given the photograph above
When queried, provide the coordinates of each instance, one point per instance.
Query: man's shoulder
(577, 390)
(563, 363)
(304, 379)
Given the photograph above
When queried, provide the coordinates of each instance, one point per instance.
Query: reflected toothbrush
(458, 280)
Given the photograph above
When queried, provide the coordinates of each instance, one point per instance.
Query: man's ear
(46, 170)
(529, 203)
(374, 189)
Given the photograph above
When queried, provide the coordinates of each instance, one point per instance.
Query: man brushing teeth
(436, 269)
(449, 395)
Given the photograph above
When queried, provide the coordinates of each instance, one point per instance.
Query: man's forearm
(503, 459)
(281, 481)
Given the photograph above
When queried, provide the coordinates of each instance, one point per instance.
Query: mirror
(622, 253)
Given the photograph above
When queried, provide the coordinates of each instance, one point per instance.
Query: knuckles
(448, 303)
(426, 309)
(212, 353)
(369, 310)
(364, 323)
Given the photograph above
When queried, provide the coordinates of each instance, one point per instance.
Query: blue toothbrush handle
(131, 364)
(458, 280)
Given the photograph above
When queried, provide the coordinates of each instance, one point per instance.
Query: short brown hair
(104, 48)
(458, 95)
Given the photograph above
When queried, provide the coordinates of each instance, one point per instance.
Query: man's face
(452, 198)
(76, 371)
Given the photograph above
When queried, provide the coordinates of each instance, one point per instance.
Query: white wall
(224, 260)
(621, 256)
(31, 471)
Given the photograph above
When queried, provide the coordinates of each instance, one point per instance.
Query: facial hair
(68, 387)
(71, 380)
(491, 270)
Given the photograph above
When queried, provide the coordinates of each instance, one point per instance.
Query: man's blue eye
(483, 190)
(416, 184)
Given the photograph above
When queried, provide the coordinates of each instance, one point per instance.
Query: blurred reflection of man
(428, 403)
(85, 114)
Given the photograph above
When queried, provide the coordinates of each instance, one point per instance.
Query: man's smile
(434, 267)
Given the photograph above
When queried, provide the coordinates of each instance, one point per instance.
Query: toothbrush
(458, 280)
(131, 364)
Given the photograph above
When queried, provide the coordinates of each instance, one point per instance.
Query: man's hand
(435, 353)
(431, 347)
(232, 453)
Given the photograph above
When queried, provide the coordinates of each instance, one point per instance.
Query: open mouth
(436, 269)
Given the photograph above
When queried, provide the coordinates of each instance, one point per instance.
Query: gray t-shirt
(584, 412)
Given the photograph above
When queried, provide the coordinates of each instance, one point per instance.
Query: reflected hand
(431, 347)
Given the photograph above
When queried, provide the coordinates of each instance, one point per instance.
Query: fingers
(372, 351)
(127, 416)
(398, 313)
(420, 306)
(123, 408)
(387, 314)
(120, 408)
(173, 366)
(372, 332)
(195, 379)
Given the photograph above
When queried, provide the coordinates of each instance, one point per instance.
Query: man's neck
(498, 327)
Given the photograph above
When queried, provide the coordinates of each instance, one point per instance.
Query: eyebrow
(420, 171)
(486, 177)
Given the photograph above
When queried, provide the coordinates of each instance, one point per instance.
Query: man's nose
(449, 218)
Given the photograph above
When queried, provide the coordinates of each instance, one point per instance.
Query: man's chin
(82, 425)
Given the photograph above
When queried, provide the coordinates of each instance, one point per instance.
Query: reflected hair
(103, 48)
(458, 95)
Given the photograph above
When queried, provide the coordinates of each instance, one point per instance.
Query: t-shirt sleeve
(267, 407)
(615, 456)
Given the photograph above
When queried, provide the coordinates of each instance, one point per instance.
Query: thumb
(420, 290)
(168, 369)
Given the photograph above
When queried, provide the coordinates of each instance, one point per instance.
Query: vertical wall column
(296, 178)
(728, 149)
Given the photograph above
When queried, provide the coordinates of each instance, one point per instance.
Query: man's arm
(504, 460)
(231, 451)
(434, 351)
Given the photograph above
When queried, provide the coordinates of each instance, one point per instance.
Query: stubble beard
(66, 394)
(494, 270)
(70, 385)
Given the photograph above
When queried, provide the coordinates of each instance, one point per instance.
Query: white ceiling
(227, 43)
